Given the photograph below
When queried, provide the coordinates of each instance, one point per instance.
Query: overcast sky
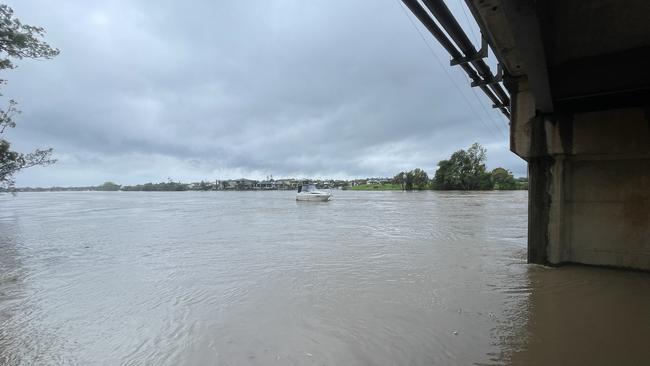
(189, 90)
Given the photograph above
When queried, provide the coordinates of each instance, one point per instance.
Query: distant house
(245, 184)
(226, 185)
(286, 184)
(379, 180)
(340, 183)
(202, 186)
(266, 185)
(328, 184)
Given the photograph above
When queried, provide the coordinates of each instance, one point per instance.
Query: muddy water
(255, 278)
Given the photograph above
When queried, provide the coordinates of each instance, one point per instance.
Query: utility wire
(444, 68)
(487, 111)
(469, 24)
(490, 116)
(462, 5)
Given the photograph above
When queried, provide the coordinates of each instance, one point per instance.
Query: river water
(256, 278)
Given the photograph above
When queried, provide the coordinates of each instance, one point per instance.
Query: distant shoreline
(368, 184)
(364, 188)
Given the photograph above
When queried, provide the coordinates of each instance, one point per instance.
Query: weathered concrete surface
(608, 213)
(589, 185)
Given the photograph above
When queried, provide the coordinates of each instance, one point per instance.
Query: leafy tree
(419, 179)
(465, 170)
(18, 41)
(415, 179)
(408, 181)
(400, 179)
(109, 186)
(522, 183)
(204, 186)
(503, 179)
(163, 186)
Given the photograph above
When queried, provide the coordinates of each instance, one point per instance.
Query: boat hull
(319, 197)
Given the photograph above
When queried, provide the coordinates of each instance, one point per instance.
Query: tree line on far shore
(464, 170)
(168, 186)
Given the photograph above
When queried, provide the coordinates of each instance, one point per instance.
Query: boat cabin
(307, 188)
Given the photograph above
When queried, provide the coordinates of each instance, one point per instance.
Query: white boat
(308, 192)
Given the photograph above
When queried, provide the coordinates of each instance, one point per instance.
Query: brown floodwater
(256, 278)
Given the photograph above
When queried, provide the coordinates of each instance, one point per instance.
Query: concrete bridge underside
(578, 73)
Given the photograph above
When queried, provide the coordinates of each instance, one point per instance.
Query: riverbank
(398, 187)
(375, 187)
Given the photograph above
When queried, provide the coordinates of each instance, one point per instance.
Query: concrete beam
(593, 82)
(524, 25)
(515, 36)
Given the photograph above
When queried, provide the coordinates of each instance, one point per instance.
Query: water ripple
(255, 278)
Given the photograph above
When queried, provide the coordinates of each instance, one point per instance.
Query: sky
(150, 90)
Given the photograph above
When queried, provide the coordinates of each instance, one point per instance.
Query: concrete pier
(578, 73)
(589, 197)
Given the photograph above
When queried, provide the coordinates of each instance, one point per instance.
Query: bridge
(573, 78)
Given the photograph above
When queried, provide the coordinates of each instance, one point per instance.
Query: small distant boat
(308, 192)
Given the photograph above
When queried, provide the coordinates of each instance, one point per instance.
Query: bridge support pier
(589, 183)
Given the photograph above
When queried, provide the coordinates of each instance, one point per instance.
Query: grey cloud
(211, 88)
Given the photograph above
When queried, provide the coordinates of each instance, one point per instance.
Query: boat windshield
(307, 188)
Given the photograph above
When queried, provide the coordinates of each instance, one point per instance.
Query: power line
(469, 24)
(442, 66)
(471, 29)
(490, 115)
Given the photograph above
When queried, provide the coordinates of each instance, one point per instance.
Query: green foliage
(408, 181)
(417, 179)
(163, 186)
(503, 179)
(12, 161)
(109, 186)
(465, 170)
(18, 41)
(522, 183)
(377, 187)
(400, 179)
(204, 186)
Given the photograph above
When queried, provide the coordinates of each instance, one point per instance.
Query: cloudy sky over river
(146, 90)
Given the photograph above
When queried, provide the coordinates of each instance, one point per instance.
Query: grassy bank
(376, 187)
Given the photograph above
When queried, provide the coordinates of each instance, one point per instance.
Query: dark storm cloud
(145, 90)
